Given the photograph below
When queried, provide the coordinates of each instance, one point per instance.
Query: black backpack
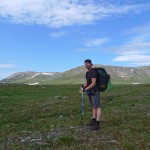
(102, 78)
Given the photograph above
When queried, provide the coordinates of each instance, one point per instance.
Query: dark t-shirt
(89, 75)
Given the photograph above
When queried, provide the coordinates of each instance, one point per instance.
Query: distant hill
(29, 77)
(119, 75)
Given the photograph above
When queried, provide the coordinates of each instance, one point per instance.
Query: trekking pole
(82, 107)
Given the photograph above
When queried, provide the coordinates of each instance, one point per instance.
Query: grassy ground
(48, 117)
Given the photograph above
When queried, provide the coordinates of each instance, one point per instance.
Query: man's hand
(82, 90)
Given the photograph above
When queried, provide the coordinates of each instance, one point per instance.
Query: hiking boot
(96, 126)
(91, 123)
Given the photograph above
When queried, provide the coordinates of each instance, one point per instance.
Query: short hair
(88, 61)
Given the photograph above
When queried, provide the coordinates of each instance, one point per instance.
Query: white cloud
(96, 42)
(136, 50)
(90, 44)
(58, 13)
(133, 58)
(58, 34)
(143, 29)
(7, 65)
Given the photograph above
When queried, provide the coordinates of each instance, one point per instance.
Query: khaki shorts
(95, 100)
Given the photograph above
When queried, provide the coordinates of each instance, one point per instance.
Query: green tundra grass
(49, 117)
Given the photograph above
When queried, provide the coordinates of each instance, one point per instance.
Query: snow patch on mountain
(36, 83)
(33, 76)
(47, 73)
(136, 83)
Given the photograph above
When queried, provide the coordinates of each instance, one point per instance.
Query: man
(93, 93)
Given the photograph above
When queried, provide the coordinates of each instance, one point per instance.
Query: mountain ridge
(119, 75)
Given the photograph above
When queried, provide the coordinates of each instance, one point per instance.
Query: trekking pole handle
(83, 88)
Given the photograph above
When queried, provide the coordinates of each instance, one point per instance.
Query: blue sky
(56, 35)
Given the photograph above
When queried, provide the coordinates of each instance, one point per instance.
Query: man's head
(88, 64)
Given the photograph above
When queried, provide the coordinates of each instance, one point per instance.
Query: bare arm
(85, 85)
(91, 85)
